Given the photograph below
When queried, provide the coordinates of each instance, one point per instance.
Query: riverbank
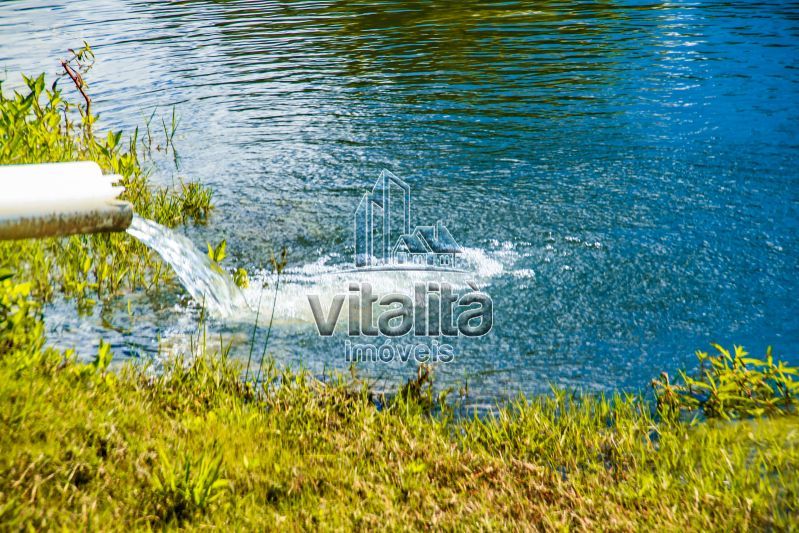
(194, 445)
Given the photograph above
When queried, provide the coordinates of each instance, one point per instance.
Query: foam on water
(215, 290)
(331, 275)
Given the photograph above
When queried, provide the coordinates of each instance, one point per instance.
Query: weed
(189, 486)
(731, 385)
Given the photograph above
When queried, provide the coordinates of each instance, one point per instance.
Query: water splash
(326, 277)
(333, 274)
(209, 287)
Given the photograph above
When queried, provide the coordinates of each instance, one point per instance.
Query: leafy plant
(103, 358)
(731, 385)
(76, 67)
(196, 202)
(188, 486)
(217, 253)
(20, 327)
(241, 278)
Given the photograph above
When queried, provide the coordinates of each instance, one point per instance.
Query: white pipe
(60, 199)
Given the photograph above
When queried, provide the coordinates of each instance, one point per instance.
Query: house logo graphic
(419, 319)
(383, 236)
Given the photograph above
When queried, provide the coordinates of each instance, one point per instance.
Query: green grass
(195, 445)
(193, 448)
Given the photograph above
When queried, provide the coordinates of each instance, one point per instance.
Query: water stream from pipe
(209, 286)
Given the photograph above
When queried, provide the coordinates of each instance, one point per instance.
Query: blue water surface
(628, 169)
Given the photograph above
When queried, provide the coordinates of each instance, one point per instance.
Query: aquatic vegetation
(36, 127)
(19, 327)
(731, 385)
(195, 202)
(241, 278)
(217, 253)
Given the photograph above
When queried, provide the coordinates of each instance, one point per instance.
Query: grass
(195, 445)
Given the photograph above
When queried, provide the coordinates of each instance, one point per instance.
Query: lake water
(622, 175)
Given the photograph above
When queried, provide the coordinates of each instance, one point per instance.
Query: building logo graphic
(383, 236)
(419, 323)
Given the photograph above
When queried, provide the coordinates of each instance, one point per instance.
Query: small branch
(80, 85)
